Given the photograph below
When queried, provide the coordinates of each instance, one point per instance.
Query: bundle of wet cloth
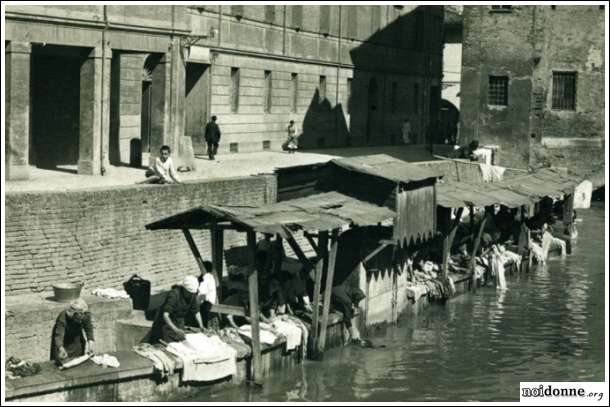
(106, 360)
(204, 358)
(163, 362)
(16, 368)
(290, 330)
(110, 293)
(267, 334)
(231, 337)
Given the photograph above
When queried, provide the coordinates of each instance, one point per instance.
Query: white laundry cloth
(497, 265)
(265, 336)
(110, 293)
(582, 195)
(492, 173)
(106, 360)
(290, 330)
(207, 288)
(204, 358)
(483, 154)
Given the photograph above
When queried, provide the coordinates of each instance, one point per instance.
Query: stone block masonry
(99, 236)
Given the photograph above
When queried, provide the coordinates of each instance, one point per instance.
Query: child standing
(293, 137)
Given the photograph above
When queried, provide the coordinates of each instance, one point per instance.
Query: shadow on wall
(386, 87)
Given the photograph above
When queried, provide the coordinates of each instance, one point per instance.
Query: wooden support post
(299, 252)
(254, 310)
(475, 249)
(217, 237)
(194, 249)
(568, 209)
(312, 242)
(471, 208)
(323, 245)
(330, 275)
(448, 240)
(278, 252)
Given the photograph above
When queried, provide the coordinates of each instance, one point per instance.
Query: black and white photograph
(291, 202)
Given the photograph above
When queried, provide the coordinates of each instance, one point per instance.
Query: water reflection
(548, 326)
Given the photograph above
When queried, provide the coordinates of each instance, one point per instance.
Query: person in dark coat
(344, 298)
(181, 302)
(212, 137)
(72, 333)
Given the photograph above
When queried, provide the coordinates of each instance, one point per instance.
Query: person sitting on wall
(406, 131)
(180, 303)
(163, 171)
(72, 333)
(467, 152)
(212, 137)
(207, 296)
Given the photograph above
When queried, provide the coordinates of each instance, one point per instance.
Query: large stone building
(93, 86)
(533, 83)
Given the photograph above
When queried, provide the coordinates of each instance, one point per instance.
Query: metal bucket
(66, 292)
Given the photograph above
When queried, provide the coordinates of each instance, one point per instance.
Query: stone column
(17, 109)
(105, 110)
(90, 138)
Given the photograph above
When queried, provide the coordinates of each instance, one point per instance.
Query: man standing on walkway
(212, 137)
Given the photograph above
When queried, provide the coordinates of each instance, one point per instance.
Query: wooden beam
(217, 240)
(312, 242)
(279, 251)
(330, 275)
(375, 252)
(194, 249)
(299, 252)
(475, 249)
(229, 310)
(254, 311)
(323, 245)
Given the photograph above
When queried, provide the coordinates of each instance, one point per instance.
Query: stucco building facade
(94, 86)
(533, 84)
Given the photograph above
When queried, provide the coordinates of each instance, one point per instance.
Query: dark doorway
(55, 106)
(196, 105)
(371, 122)
(145, 118)
(434, 135)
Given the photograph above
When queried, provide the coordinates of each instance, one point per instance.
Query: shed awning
(461, 194)
(542, 183)
(326, 211)
(386, 167)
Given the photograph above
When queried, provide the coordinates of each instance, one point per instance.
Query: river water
(548, 326)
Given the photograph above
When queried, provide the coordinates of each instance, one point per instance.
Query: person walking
(293, 137)
(212, 137)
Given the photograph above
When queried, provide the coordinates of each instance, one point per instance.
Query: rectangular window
(297, 16)
(266, 145)
(322, 88)
(268, 91)
(352, 22)
(234, 89)
(349, 95)
(394, 97)
(415, 108)
(270, 14)
(325, 19)
(234, 147)
(294, 92)
(237, 11)
(498, 91)
(564, 90)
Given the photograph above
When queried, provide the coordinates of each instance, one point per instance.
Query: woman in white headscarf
(73, 332)
(181, 302)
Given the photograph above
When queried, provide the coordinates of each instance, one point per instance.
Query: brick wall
(98, 236)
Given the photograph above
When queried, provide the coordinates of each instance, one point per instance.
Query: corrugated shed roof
(324, 211)
(386, 167)
(460, 194)
(542, 183)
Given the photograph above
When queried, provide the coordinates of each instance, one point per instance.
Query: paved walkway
(225, 166)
